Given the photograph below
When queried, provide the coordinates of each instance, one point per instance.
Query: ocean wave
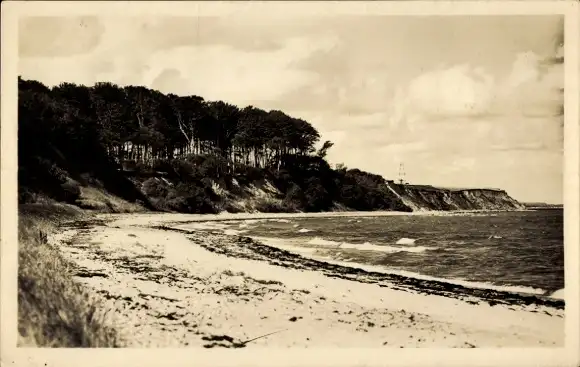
(406, 241)
(253, 221)
(466, 283)
(474, 284)
(279, 220)
(367, 246)
(322, 242)
(304, 230)
(205, 225)
(234, 232)
(293, 245)
(286, 244)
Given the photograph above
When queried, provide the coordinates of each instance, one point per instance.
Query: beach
(164, 286)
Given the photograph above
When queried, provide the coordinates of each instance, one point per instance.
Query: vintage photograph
(244, 180)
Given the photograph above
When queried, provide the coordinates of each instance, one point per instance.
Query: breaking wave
(367, 246)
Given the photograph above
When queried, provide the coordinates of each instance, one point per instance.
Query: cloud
(176, 55)
(170, 81)
(531, 88)
(223, 73)
(58, 36)
(457, 91)
(485, 112)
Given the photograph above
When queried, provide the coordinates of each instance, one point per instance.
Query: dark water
(519, 250)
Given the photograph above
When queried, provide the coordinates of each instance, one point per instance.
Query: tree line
(141, 124)
(75, 128)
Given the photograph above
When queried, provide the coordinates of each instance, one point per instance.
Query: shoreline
(207, 288)
(181, 224)
(511, 289)
(181, 218)
(273, 253)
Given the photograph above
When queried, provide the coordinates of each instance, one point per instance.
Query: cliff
(228, 158)
(404, 198)
(426, 197)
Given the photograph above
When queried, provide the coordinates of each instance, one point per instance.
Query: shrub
(91, 204)
(71, 191)
(250, 174)
(25, 196)
(186, 171)
(190, 198)
(162, 165)
(142, 168)
(316, 197)
(156, 188)
(269, 206)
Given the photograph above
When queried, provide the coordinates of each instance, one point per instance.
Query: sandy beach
(165, 286)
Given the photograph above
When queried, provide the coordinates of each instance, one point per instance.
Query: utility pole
(402, 173)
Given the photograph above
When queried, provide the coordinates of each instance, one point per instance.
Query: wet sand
(169, 287)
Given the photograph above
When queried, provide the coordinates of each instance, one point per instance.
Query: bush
(269, 206)
(25, 196)
(316, 196)
(186, 171)
(91, 204)
(162, 165)
(156, 188)
(250, 174)
(189, 198)
(232, 208)
(142, 168)
(71, 191)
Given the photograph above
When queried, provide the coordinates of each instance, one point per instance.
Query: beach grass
(53, 310)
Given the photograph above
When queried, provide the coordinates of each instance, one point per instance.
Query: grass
(92, 198)
(54, 310)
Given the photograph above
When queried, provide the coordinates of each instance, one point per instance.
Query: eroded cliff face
(424, 197)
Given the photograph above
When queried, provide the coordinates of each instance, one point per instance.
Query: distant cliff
(426, 197)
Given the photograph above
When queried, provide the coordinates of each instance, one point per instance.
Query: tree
(324, 149)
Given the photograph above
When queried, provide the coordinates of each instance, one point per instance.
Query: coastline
(170, 287)
(181, 218)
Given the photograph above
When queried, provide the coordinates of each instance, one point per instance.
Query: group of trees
(74, 128)
(141, 124)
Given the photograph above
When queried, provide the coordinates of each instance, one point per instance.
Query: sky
(460, 101)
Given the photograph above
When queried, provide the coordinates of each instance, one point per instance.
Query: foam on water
(280, 220)
(234, 232)
(322, 242)
(206, 225)
(406, 241)
(284, 244)
(291, 245)
(452, 246)
(367, 246)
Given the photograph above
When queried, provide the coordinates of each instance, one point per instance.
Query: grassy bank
(53, 310)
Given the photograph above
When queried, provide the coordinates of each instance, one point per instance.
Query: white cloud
(457, 91)
(225, 73)
(530, 88)
(130, 53)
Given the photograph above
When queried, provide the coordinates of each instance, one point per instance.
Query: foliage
(54, 310)
(70, 130)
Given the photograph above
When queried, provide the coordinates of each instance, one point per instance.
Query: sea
(519, 251)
